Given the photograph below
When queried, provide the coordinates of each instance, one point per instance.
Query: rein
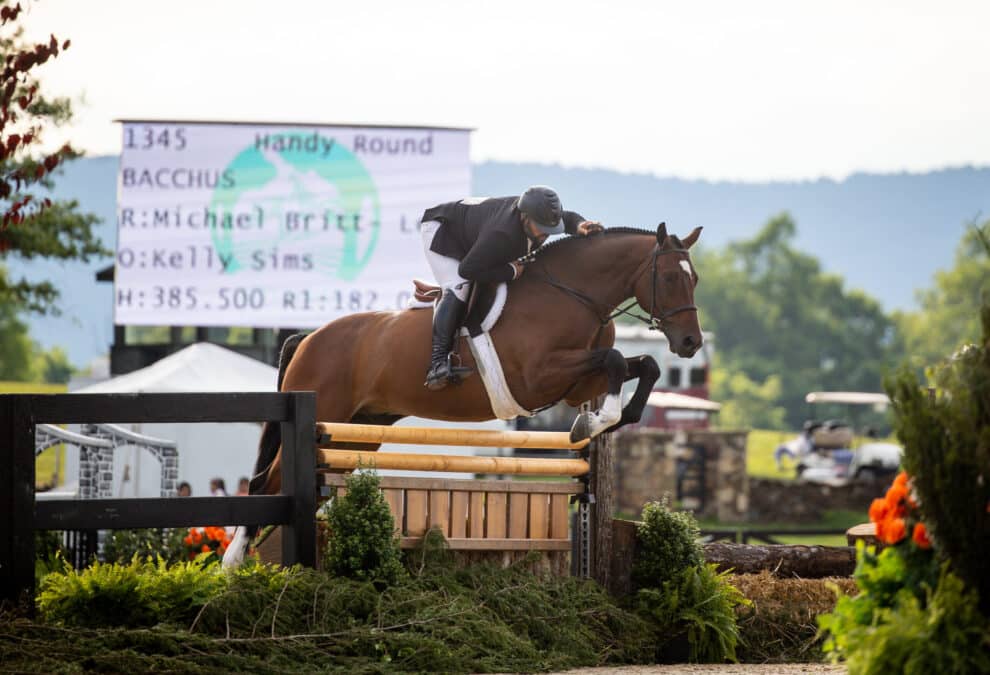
(654, 322)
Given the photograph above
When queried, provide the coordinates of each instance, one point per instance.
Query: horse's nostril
(688, 341)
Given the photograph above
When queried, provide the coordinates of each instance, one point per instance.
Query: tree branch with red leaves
(32, 224)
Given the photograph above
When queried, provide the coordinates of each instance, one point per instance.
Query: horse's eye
(669, 278)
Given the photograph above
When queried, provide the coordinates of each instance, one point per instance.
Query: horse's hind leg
(269, 454)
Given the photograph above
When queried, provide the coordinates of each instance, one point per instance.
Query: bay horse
(554, 340)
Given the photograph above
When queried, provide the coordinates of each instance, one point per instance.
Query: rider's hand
(517, 269)
(587, 227)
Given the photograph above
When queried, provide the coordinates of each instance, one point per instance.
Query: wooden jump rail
(504, 517)
(332, 432)
(478, 515)
(353, 459)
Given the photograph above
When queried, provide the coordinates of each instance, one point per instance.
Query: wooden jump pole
(352, 459)
(329, 433)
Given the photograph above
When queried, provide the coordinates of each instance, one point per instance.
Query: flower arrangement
(897, 513)
(912, 612)
(210, 540)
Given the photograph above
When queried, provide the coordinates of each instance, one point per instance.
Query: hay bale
(781, 626)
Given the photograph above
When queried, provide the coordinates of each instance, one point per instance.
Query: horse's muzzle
(687, 347)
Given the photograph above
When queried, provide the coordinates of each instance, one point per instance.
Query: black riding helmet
(542, 205)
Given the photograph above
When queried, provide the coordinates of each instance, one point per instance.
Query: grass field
(760, 445)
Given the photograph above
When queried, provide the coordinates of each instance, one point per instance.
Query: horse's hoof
(581, 429)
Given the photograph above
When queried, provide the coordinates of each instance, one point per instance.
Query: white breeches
(444, 268)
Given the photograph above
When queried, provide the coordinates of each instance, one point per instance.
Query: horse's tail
(289, 348)
(271, 439)
(271, 433)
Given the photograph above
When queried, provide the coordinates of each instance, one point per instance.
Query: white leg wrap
(234, 555)
(607, 415)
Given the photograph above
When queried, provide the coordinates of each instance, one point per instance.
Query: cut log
(808, 562)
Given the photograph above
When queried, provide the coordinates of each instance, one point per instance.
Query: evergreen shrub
(362, 541)
(681, 596)
(947, 454)
(669, 541)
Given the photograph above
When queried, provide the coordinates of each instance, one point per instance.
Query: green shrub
(49, 553)
(945, 634)
(362, 543)
(678, 593)
(699, 603)
(268, 619)
(100, 595)
(947, 454)
(139, 593)
(668, 543)
(148, 544)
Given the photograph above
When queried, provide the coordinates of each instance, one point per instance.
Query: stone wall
(709, 466)
(777, 500)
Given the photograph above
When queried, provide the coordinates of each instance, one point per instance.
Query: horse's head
(665, 289)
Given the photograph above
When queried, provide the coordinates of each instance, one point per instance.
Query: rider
(482, 239)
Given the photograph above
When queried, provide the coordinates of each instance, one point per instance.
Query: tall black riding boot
(447, 318)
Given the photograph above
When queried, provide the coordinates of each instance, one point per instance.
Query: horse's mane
(564, 242)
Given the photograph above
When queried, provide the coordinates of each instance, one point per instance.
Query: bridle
(654, 322)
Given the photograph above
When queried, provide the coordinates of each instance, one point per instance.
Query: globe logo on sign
(297, 202)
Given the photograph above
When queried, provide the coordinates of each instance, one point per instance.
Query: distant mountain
(885, 234)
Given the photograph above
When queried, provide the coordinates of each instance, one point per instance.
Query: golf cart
(827, 451)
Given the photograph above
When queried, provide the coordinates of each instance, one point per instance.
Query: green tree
(53, 366)
(949, 313)
(777, 314)
(32, 224)
(16, 348)
(745, 403)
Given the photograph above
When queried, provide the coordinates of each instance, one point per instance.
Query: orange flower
(206, 548)
(893, 531)
(878, 510)
(881, 527)
(896, 497)
(901, 480)
(920, 536)
(188, 540)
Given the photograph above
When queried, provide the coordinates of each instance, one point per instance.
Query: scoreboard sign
(275, 225)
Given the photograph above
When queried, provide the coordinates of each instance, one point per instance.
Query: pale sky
(717, 90)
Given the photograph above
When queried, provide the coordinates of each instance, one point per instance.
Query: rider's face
(534, 234)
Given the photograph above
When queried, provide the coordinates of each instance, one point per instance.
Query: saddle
(485, 305)
(481, 301)
(425, 292)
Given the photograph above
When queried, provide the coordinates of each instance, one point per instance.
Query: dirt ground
(709, 669)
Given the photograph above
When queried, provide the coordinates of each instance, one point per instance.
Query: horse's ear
(689, 240)
(661, 232)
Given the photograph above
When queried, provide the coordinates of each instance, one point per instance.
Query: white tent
(206, 450)
(225, 450)
(200, 367)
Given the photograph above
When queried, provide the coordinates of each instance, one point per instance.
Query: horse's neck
(605, 271)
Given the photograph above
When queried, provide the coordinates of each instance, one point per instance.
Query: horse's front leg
(582, 370)
(645, 369)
